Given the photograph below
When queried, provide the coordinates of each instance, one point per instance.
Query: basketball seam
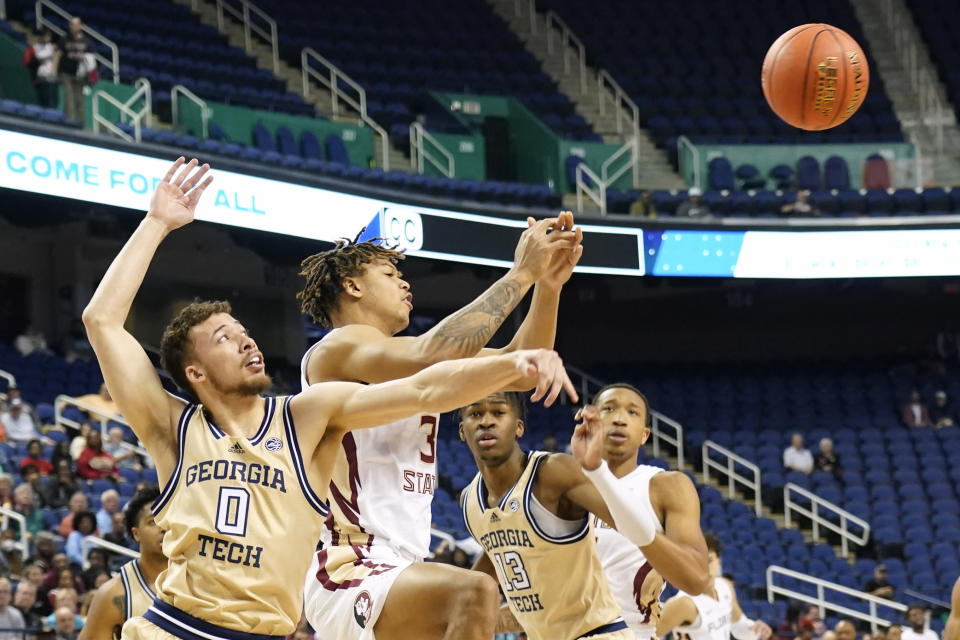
(776, 59)
(843, 65)
(806, 77)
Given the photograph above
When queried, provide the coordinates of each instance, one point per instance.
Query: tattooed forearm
(466, 332)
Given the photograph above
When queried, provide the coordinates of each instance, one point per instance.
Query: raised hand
(561, 265)
(174, 202)
(537, 247)
(587, 441)
(552, 378)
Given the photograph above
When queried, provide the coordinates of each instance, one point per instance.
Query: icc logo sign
(403, 227)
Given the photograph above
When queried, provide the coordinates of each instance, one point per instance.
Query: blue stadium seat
(808, 173)
(836, 174)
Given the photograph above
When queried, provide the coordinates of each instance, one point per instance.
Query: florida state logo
(362, 607)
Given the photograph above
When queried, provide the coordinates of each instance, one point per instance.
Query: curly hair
(326, 271)
(175, 346)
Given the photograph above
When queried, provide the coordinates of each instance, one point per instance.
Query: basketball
(815, 77)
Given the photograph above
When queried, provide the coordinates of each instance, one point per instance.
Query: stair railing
(729, 467)
(255, 22)
(610, 91)
(112, 63)
(815, 512)
(419, 153)
(138, 118)
(571, 46)
(205, 112)
(594, 189)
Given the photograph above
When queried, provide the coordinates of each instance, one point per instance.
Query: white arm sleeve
(742, 629)
(639, 528)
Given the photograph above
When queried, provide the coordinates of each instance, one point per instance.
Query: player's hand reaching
(548, 369)
(587, 441)
(762, 629)
(174, 202)
(563, 261)
(538, 245)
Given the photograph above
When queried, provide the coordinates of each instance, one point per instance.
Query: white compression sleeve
(742, 629)
(639, 528)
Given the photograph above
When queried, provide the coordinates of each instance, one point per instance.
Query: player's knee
(479, 595)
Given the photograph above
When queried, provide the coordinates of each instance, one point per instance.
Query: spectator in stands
(45, 550)
(78, 502)
(95, 463)
(915, 412)
(916, 627)
(44, 69)
(811, 618)
(97, 559)
(61, 486)
(109, 505)
(35, 457)
(52, 577)
(550, 443)
(826, 459)
(879, 585)
(25, 600)
(942, 414)
(894, 633)
(75, 345)
(10, 616)
(74, 46)
(801, 207)
(79, 443)
(123, 454)
(118, 533)
(34, 574)
(845, 630)
(61, 453)
(65, 623)
(102, 404)
(84, 525)
(643, 206)
(692, 207)
(32, 477)
(829, 635)
(18, 425)
(24, 504)
(13, 393)
(6, 490)
(797, 457)
(789, 628)
(29, 341)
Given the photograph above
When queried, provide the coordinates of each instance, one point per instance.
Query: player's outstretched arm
(742, 627)
(952, 630)
(128, 372)
(678, 611)
(442, 387)
(365, 354)
(107, 613)
(679, 554)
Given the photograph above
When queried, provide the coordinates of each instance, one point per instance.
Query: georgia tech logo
(362, 607)
(403, 227)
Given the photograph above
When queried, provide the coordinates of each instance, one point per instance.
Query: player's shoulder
(350, 335)
(112, 588)
(558, 469)
(671, 482)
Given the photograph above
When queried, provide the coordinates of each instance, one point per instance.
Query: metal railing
(820, 600)
(3, 9)
(9, 377)
(112, 63)
(205, 111)
(684, 141)
(138, 119)
(419, 153)
(596, 192)
(22, 542)
(93, 541)
(814, 512)
(610, 91)
(571, 46)
(333, 79)
(248, 14)
(730, 468)
(610, 172)
(63, 401)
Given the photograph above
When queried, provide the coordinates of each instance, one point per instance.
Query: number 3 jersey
(241, 521)
(554, 584)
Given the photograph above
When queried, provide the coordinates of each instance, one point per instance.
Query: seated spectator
(692, 207)
(10, 616)
(61, 453)
(32, 477)
(801, 207)
(52, 577)
(643, 206)
(797, 457)
(829, 635)
(109, 505)
(60, 487)
(550, 443)
(878, 585)
(78, 502)
(25, 600)
(790, 627)
(845, 630)
(24, 504)
(942, 414)
(101, 404)
(118, 533)
(826, 459)
(18, 425)
(79, 442)
(34, 574)
(813, 620)
(915, 412)
(97, 559)
(29, 341)
(99, 577)
(84, 525)
(123, 454)
(45, 549)
(64, 623)
(894, 633)
(95, 463)
(916, 627)
(13, 393)
(35, 457)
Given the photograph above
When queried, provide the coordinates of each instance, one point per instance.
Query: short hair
(109, 493)
(27, 468)
(916, 606)
(175, 345)
(648, 422)
(325, 272)
(713, 543)
(516, 401)
(35, 440)
(131, 513)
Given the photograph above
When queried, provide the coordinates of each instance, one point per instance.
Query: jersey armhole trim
(576, 536)
(312, 498)
(164, 498)
(142, 580)
(127, 594)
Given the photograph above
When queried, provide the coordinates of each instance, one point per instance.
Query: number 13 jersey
(240, 521)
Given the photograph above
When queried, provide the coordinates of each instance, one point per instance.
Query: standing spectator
(915, 412)
(35, 457)
(826, 459)
(879, 585)
(845, 630)
(24, 504)
(73, 47)
(18, 425)
(109, 505)
(60, 487)
(801, 207)
(44, 69)
(916, 627)
(65, 623)
(10, 616)
(29, 341)
(25, 600)
(797, 457)
(942, 413)
(692, 207)
(78, 502)
(84, 525)
(123, 454)
(95, 463)
(643, 206)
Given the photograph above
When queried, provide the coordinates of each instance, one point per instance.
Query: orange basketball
(815, 76)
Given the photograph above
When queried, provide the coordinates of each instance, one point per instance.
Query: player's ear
(135, 533)
(195, 374)
(352, 287)
(645, 436)
(520, 429)
(462, 437)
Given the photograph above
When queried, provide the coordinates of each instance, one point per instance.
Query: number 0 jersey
(555, 586)
(241, 522)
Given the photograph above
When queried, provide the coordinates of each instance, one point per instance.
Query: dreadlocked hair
(326, 271)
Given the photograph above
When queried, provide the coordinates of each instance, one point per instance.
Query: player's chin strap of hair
(742, 629)
(639, 528)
